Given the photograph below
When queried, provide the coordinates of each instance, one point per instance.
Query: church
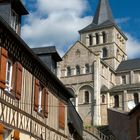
(96, 70)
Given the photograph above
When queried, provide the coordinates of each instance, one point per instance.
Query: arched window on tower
(104, 52)
(87, 69)
(86, 97)
(77, 70)
(136, 98)
(97, 38)
(68, 71)
(104, 37)
(90, 40)
(116, 101)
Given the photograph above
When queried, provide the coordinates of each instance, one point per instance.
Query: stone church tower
(88, 67)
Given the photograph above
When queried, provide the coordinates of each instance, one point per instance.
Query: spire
(103, 13)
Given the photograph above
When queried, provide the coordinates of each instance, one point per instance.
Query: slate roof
(48, 50)
(103, 17)
(128, 65)
(125, 87)
(19, 7)
(103, 13)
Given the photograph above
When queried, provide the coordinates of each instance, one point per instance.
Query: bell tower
(12, 11)
(104, 36)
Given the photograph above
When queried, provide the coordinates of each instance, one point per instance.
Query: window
(40, 98)
(14, 20)
(8, 75)
(104, 37)
(97, 38)
(87, 68)
(103, 98)
(86, 97)
(68, 71)
(104, 52)
(123, 79)
(136, 98)
(77, 70)
(61, 115)
(116, 98)
(77, 53)
(90, 40)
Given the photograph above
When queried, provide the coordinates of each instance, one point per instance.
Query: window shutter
(16, 135)
(18, 80)
(36, 92)
(61, 115)
(1, 131)
(3, 62)
(46, 102)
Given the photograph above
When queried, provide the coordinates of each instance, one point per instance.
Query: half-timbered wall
(18, 114)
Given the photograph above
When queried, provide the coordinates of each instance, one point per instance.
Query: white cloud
(133, 47)
(55, 23)
(50, 6)
(122, 20)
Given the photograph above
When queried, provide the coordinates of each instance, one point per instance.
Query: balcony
(75, 122)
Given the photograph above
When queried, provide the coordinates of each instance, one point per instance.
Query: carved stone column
(100, 38)
(87, 40)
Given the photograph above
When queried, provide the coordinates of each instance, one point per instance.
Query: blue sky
(56, 22)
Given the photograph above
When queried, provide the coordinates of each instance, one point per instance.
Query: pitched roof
(48, 50)
(128, 65)
(103, 13)
(24, 47)
(19, 7)
(103, 17)
(125, 87)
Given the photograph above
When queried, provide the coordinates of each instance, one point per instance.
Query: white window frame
(40, 99)
(9, 81)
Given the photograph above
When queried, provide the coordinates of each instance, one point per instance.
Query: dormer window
(14, 20)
